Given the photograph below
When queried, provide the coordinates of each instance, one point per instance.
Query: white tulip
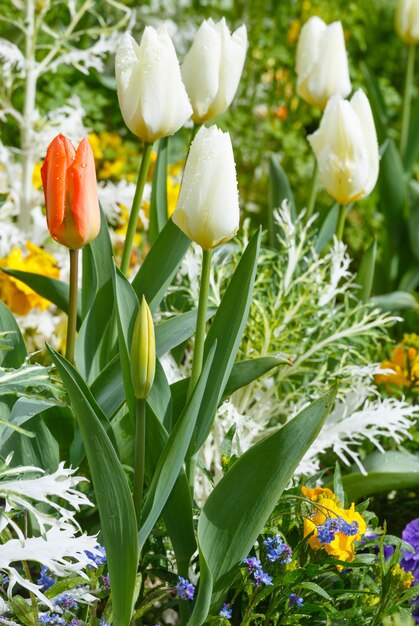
(151, 94)
(208, 206)
(212, 68)
(346, 148)
(407, 21)
(322, 63)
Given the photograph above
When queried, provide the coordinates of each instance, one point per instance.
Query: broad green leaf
(113, 497)
(126, 311)
(158, 201)
(388, 471)
(245, 372)
(280, 190)
(15, 354)
(161, 265)
(173, 455)
(96, 340)
(97, 259)
(41, 451)
(413, 221)
(179, 504)
(175, 330)
(160, 398)
(240, 504)
(108, 388)
(410, 281)
(227, 329)
(328, 228)
(392, 190)
(395, 301)
(377, 102)
(366, 270)
(50, 288)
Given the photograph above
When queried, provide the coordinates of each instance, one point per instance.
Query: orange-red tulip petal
(70, 189)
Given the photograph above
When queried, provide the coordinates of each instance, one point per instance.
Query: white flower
(212, 68)
(346, 148)
(407, 21)
(151, 94)
(208, 206)
(322, 63)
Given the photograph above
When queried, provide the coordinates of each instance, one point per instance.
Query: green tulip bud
(143, 352)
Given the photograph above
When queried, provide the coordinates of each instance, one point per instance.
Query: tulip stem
(72, 305)
(410, 68)
(139, 457)
(313, 191)
(341, 222)
(135, 209)
(198, 355)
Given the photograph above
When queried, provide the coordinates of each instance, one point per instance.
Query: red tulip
(70, 189)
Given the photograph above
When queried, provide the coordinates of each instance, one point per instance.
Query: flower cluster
(185, 589)
(19, 297)
(277, 550)
(295, 600)
(410, 560)
(332, 527)
(404, 363)
(226, 612)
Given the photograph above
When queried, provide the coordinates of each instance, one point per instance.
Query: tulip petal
(200, 69)
(208, 205)
(234, 48)
(362, 108)
(60, 155)
(83, 215)
(128, 80)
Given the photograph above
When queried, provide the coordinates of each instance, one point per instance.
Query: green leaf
(239, 506)
(50, 288)
(108, 388)
(158, 201)
(227, 330)
(160, 398)
(316, 588)
(410, 280)
(377, 102)
(96, 340)
(175, 330)
(161, 265)
(173, 455)
(392, 190)
(395, 301)
(179, 505)
(97, 265)
(245, 372)
(366, 270)
(16, 353)
(412, 147)
(127, 307)
(388, 471)
(113, 497)
(280, 190)
(328, 228)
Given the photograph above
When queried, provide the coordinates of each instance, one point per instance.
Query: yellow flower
(95, 144)
(172, 195)
(401, 577)
(404, 362)
(36, 176)
(328, 506)
(19, 297)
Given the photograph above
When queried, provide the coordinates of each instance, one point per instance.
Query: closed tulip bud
(407, 21)
(70, 189)
(143, 352)
(212, 68)
(346, 148)
(151, 93)
(322, 63)
(208, 206)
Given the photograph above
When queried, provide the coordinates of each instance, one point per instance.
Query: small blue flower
(75, 622)
(106, 582)
(98, 559)
(185, 589)
(277, 549)
(262, 578)
(44, 580)
(52, 620)
(103, 623)
(226, 612)
(252, 564)
(294, 600)
(327, 531)
(66, 602)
